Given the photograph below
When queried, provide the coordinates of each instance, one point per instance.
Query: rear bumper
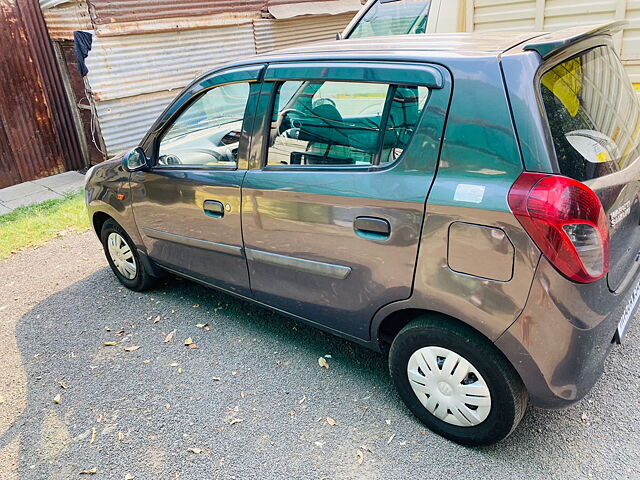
(560, 341)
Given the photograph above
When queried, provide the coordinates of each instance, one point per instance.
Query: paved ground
(251, 400)
(37, 191)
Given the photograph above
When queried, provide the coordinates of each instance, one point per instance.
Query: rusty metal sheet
(113, 11)
(36, 131)
(271, 34)
(64, 19)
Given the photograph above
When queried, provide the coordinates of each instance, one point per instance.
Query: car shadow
(111, 385)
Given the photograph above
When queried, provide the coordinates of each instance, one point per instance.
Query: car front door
(187, 204)
(334, 200)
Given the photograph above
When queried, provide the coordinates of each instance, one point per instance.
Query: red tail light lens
(566, 221)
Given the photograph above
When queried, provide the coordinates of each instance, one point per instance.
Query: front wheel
(456, 382)
(123, 257)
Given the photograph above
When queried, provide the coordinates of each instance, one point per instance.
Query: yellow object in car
(565, 81)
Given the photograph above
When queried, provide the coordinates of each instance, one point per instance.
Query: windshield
(395, 17)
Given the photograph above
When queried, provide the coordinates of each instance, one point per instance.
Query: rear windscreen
(593, 114)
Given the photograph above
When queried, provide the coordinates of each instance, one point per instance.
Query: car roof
(487, 43)
(448, 44)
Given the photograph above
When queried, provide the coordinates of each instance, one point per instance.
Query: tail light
(566, 221)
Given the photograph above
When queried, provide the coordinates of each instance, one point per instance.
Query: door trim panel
(193, 242)
(331, 270)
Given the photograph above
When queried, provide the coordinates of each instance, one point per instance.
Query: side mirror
(135, 160)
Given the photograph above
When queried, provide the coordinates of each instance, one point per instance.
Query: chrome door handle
(213, 208)
(372, 228)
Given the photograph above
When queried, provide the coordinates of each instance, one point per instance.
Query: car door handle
(372, 228)
(213, 208)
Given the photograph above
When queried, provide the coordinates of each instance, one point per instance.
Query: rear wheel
(456, 382)
(123, 257)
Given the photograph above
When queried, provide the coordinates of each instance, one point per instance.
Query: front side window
(343, 123)
(593, 114)
(207, 133)
(395, 17)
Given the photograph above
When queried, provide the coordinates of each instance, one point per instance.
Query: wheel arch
(386, 329)
(98, 220)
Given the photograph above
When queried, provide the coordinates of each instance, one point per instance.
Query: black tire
(143, 279)
(508, 394)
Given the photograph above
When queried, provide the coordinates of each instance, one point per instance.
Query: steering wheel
(323, 101)
(169, 160)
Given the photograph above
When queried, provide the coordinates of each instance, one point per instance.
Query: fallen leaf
(236, 420)
(109, 344)
(323, 363)
(128, 476)
(121, 436)
(195, 450)
(241, 394)
(169, 336)
(360, 456)
(174, 364)
(423, 432)
(132, 348)
(167, 406)
(180, 371)
(193, 346)
(157, 319)
(216, 379)
(57, 399)
(89, 471)
(292, 413)
(146, 361)
(188, 341)
(201, 325)
(94, 434)
(63, 385)
(234, 374)
(331, 421)
(196, 305)
(391, 438)
(219, 429)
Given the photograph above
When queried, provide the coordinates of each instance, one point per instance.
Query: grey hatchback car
(466, 203)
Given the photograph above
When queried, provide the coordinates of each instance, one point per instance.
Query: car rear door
(334, 201)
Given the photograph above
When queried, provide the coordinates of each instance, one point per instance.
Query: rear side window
(593, 114)
(343, 123)
(395, 17)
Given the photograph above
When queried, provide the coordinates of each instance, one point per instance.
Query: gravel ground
(251, 400)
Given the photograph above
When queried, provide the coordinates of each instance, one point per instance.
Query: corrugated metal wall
(37, 136)
(276, 34)
(550, 15)
(134, 77)
(145, 51)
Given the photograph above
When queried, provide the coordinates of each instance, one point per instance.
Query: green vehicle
(465, 203)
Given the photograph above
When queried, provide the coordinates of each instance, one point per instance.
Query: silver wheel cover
(449, 387)
(121, 255)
